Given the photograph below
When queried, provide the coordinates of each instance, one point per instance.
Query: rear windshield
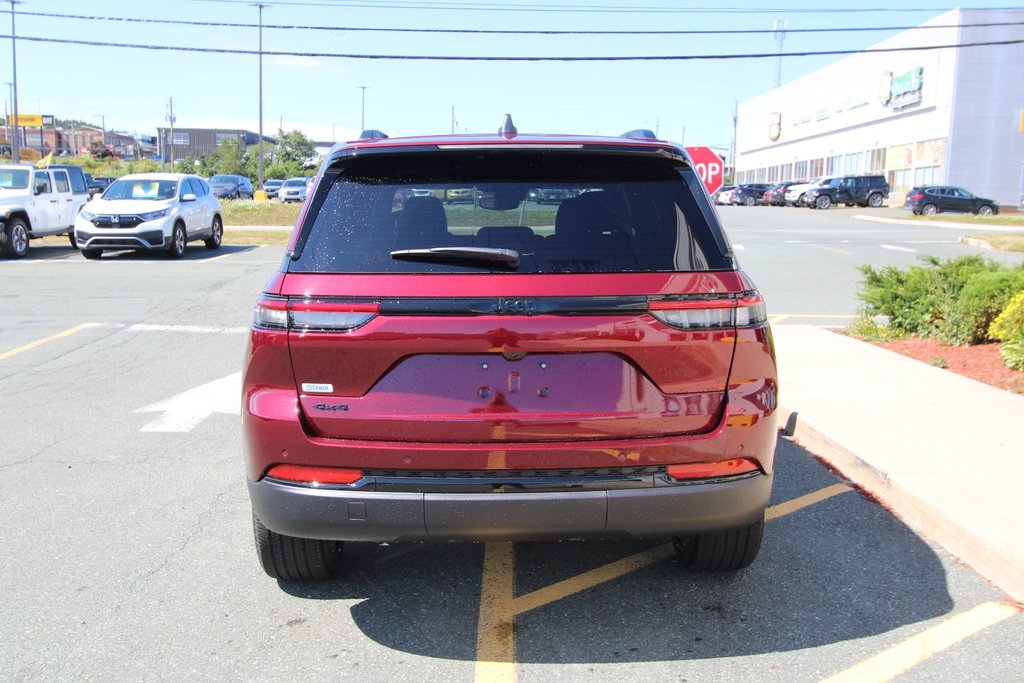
(560, 213)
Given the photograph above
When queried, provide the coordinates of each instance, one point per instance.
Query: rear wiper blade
(507, 257)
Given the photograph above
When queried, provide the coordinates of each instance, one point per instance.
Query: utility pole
(362, 116)
(732, 149)
(780, 37)
(259, 180)
(454, 122)
(170, 141)
(15, 145)
(103, 124)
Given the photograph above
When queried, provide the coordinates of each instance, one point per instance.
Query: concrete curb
(923, 517)
(974, 227)
(975, 242)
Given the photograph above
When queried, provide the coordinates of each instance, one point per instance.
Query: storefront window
(926, 175)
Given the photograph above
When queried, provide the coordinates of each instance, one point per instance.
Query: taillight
(315, 476)
(711, 315)
(311, 315)
(917, 196)
(712, 470)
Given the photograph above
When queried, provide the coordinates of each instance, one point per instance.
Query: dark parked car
(749, 194)
(433, 373)
(932, 199)
(776, 194)
(863, 190)
(231, 187)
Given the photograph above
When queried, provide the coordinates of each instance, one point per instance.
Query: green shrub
(981, 300)
(917, 300)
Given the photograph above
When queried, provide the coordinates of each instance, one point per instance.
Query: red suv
(508, 369)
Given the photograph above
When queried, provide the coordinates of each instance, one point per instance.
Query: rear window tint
(562, 213)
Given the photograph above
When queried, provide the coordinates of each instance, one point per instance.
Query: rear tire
(929, 210)
(295, 559)
(749, 201)
(875, 200)
(721, 551)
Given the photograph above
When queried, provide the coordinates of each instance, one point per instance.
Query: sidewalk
(943, 451)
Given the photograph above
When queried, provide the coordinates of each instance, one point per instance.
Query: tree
(227, 159)
(293, 147)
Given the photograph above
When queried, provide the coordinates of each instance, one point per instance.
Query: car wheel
(216, 235)
(295, 559)
(985, 210)
(92, 253)
(875, 200)
(749, 201)
(823, 202)
(71, 238)
(14, 238)
(929, 210)
(176, 249)
(722, 551)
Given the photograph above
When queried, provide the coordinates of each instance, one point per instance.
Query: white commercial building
(918, 116)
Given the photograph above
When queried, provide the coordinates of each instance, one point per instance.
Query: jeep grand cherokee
(508, 371)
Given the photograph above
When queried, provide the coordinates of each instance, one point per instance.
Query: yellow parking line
(60, 335)
(901, 657)
(495, 639)
(586, 580)
(832, 249)
(791, 506)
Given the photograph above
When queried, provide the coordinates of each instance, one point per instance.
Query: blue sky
(321, 95)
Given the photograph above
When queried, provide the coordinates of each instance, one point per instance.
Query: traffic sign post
(709, 167)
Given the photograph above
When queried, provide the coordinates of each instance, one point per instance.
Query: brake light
(311, 315)
(712, 470)
(711, 315)
(314, 476)
(917, 195)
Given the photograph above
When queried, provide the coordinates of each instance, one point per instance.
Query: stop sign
(709, 167)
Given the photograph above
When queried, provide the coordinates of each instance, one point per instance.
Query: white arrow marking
(892, 247)
(183, 412)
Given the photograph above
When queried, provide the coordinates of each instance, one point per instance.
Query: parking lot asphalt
(128, 552)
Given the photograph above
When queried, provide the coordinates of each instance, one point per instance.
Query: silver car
(293, 190)
(150, 211)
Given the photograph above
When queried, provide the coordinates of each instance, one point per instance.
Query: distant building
(917, 116)
(70, 140)
(202, 141)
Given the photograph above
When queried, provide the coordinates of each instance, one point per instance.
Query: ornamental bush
(982, 299)
(1008, 327)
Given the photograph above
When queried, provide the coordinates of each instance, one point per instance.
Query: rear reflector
(304, 315)
(314, 476)
(712, 470)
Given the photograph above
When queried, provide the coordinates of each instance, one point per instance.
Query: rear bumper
(356, 515)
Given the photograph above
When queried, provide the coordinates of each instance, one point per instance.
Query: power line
(551, 32)
(451, 58)
(584, 9)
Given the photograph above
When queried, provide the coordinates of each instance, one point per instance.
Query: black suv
(932, 199)
(749, 194)
(863, 190)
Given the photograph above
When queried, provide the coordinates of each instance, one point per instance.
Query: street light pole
(259, 180)
(362, 115)
(15, 145)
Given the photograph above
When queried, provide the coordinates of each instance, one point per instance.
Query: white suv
(150, 211)
(35, 202)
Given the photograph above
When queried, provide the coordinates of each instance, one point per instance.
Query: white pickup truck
(36, 202)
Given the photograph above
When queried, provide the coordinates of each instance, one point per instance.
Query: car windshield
(273, 183)
(576, 213)
(16, 179)
(223, 180)
(295, 182)
(141, 189)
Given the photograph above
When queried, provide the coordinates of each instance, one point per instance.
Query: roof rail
(372, 134)
(640, 134)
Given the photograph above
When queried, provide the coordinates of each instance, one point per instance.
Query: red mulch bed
(982, 362)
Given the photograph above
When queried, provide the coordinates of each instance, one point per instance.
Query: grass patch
(241, 236)
(247, 212)
(1012, 219)
(1002, 241)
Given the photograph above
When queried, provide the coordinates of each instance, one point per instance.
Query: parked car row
(817, 193)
